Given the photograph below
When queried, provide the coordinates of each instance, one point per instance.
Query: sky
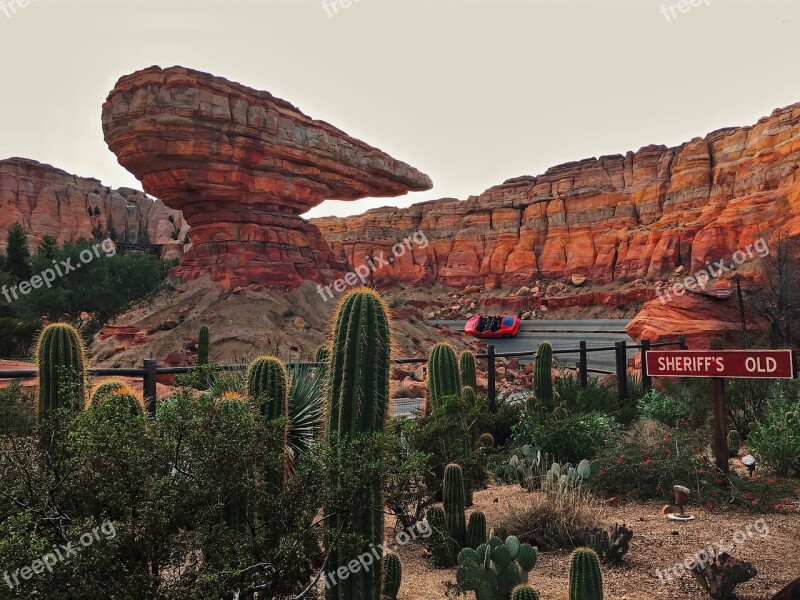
(470, 92)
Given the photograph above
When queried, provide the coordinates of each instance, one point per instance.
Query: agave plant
(306, 400)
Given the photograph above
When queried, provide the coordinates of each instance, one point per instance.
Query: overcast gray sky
(470, 92)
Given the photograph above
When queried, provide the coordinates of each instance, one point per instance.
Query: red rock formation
(49, 201)
(242, 165)
(616, 218)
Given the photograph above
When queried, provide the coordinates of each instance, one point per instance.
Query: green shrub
(572, 439)
(17, 409)
(664, 408)
(777, 440)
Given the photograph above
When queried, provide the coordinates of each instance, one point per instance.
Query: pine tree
(18, 255)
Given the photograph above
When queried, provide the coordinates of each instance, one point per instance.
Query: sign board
(737, 364)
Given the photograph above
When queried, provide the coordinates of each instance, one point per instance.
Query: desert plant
(454, 514)
(61, 361)
(469, 377)
(720, 576)
(495, 568)
(734, 442)
(585, 577)
(306, 399)
(392, 575)
(234, 511)
(543, 377)
(202, 346)
(528, 466)
(130, 400)
(611, 544)
(486, 440)
(776, 441)
(476, 530)
(468, 395)
(563, 479)
(358, 402)
(267, 386)
(524, 592)
(114, 386)
(441, 545)
(443, 377)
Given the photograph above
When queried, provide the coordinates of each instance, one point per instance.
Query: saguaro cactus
(392, 575)
(468, 371)
(544, 377)
(454, 502)
(358, 401)
(443, 378)
(202, 346)
(476, 530)
(585, 577)
(61, 360)
(267, 386)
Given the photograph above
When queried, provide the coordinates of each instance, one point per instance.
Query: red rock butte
(243, 166)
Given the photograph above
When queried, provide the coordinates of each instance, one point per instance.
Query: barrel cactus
(129, 400)
(454, 502)
(734, 442)
(357, 403)
(267, 386)
(61, 361)
(443, 378)
(585, 577)
(476, 530)
(524, 592)
(202, 346)
(486, 440)
(107, 388)
(392, 575)
(468, 395)
(543, 376)
(469, 377)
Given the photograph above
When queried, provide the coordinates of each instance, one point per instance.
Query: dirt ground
(657, 544)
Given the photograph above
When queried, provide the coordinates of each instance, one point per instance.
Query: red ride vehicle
(505, 326)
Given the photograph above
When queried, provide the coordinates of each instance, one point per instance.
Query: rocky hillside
(49, 201)
(615, 218)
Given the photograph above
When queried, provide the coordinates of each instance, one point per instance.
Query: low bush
(664, 408)
(776, 439)
(578, 437)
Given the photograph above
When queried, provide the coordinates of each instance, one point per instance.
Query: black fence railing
(150, 371)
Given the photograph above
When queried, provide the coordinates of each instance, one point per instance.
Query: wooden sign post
(718, 365)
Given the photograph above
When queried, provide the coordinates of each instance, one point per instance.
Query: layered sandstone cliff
(613, 218)
(50, 202)
(243, 166)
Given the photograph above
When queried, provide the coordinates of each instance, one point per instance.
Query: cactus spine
(476, 530)
(734, 442)
(585, 578)
(267, 386)
(202, 346)
(392, 575)
(544, 377)
(61, 360)
(468, 371)
(443, 378)
(358, 401)
(454, 514)
(524, 592)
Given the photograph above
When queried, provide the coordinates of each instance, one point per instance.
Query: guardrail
(150, 370)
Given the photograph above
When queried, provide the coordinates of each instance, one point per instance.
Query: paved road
(564, 335)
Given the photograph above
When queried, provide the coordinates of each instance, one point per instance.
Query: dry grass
(549, 521)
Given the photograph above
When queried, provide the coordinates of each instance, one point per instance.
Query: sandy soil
(657, 544)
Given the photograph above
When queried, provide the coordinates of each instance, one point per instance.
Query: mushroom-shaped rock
(243, 166)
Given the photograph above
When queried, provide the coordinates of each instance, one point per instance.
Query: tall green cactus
(267, 385)
(357, 403)
(61, 360)
(234, 512)
(392, 575)
(202, 346)
(440, 543)
(524, 592)
(585, 577)
(323, 356)
(469, 375)
(443, 378)
(454, 514)
(544, 377)
(129, 400)
(734, 442)
(476, 530)
(468, 395)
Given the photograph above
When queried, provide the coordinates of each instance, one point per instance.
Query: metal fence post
(622, 369)
(492, 372)
(149, 385)
(647, 382)
(583, 366)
